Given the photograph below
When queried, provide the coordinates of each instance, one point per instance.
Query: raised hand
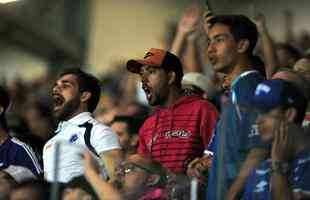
(260, 22)
(283, 142)
(190, 20)
(198, 166)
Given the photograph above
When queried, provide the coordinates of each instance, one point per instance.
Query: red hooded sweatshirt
(179, 133)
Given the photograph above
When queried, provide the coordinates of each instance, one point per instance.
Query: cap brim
(134, 66)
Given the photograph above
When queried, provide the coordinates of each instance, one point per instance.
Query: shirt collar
(76, 120)
(234, 82)
(80, 118)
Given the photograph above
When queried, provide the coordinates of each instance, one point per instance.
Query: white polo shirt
(71, 132)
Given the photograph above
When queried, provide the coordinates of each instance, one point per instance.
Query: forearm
(253, 159)
(192, 59)
(178, 43)
(104, 190)
(280, 187)
(111, 160)
(269, 52)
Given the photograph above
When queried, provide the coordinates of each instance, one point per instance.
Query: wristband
(280, 167)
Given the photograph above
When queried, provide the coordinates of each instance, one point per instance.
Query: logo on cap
(262, 88)
(148, 54)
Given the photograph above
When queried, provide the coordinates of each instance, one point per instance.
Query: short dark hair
(81, 183)
(240, 26)
(40, 187)
(4, 102)
(87, 83)
(291, 50)
(133, 123)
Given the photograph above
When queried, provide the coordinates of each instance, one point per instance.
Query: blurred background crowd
(40, 38)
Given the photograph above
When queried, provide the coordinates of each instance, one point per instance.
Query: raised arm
(187, 24)
(111, 160)
(105, 190)
(267, 46)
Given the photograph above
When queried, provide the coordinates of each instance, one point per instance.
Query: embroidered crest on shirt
(73, 138)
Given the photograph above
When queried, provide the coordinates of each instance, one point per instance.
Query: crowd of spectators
(224, 115)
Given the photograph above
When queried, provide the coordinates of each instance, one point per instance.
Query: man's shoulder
(20, 147)
(17, 144)
(98, 126)
(196, 102)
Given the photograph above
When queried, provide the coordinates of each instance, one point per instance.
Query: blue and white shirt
(71, 135)
(258, 186)
(15, 152)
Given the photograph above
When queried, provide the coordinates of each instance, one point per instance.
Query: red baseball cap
(157, 58)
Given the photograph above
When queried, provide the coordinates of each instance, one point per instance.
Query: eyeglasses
(127, 168)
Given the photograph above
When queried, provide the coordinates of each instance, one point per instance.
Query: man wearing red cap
(182, 126)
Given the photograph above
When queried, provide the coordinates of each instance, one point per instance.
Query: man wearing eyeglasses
(137, 178)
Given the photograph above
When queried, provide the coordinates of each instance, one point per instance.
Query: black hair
(81, 183)
(4, 102)
(40, 188)
(240, 26)
(291, 50)
(87, 83)
(133, 123)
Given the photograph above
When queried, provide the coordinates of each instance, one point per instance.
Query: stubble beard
(68, 109)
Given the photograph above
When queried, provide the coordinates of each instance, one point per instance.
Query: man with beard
(182, 126)
(76, 95)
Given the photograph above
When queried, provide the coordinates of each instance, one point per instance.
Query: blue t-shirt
(235, 135)
(258, 185)
(15, 152)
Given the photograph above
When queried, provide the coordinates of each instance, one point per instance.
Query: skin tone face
(155, 85)
(75, 194)
(121, 129)
(268, 122)
(303, 66)
(66, 97)
(24, 194)
(135, 176)
(222, 48)
(133, 179)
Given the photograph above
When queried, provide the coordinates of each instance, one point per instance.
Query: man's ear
(172, 77)
(85, 96)
(291, 114)
(153, 179)
(243, 45)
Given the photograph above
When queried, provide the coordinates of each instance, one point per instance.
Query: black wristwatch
(280, 167)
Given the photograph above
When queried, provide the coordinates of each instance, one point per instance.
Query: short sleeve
(26, 157)
(104, 139)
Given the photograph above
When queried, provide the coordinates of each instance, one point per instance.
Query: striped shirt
(15, 152)
(176, 135)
